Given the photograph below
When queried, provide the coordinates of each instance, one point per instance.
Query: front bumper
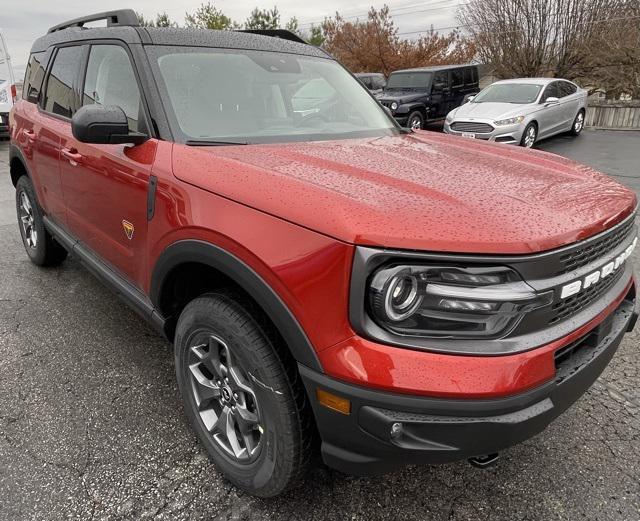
(508, 134)
(436, 430)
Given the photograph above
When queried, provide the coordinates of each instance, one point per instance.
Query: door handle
(29, 134)
(72, 155)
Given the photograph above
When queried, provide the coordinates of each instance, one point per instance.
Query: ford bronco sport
(401, 297)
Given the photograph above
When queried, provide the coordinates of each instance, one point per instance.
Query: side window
(59, 96)
(33, 78)
(566, 88)
(468, 76)
(457, 77)
(551, 91)
(366, 80)
(440, 81)
(110, 80)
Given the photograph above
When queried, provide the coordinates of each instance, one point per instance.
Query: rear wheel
(238, 396)
(578, 124)
(41, 247)
(529, 135)
(415, 121)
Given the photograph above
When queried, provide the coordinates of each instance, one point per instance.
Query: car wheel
(415, 121)
(247, 408)
(42, 248)
(578, 124)
(529, 135)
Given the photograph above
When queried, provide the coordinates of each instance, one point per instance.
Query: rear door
(105, 186)
(570, 103)
(457, 90)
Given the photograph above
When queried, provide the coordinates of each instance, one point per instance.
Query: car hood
(401, 96)
(489, 110)
(422, 191)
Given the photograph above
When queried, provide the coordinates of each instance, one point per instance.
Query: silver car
(520, 111)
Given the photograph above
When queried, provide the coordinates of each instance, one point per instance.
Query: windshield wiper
(213, 143)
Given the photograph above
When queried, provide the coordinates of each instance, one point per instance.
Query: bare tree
(558, 38)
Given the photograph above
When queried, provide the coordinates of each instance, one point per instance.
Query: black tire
(531, 130)
(277, 447)
(415, 120)
(42, 248)
(578, 123)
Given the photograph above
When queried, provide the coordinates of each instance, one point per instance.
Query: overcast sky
(25, 20)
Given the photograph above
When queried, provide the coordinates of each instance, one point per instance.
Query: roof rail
(123, 17)
(283, 34)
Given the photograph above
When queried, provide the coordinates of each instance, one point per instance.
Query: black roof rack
(283, 34)
(123, 17)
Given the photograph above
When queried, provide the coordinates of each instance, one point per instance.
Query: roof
(435, 68)
(178, 37)
(531, 81)
(358, 74)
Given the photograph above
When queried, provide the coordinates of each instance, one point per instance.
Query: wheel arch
(207, 267)
(17, 165)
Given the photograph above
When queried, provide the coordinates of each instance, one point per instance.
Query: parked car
(418, 96)
(7, 87)
(521, 111)
(374, 81)
(403, 297)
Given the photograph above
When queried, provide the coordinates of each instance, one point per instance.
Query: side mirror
(439, 86)
(469, 99)
(102, 125)
(551, 100)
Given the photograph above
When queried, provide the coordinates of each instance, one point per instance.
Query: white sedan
(520, 111)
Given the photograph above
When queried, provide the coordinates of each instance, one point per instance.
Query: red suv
(400, 297)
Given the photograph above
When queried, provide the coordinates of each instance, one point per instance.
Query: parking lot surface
(92, 427)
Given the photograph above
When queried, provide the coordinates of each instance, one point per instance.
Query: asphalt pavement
(92, 427)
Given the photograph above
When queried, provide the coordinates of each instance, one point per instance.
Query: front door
(550, 115)
(105, 186)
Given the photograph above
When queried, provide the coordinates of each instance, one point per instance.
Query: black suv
(417, 96)
(374, 81)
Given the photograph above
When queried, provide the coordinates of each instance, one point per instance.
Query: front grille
(572, 305)
(470, 126)
(582, 256)
(387, 103)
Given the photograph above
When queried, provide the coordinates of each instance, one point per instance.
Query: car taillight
(14, 93)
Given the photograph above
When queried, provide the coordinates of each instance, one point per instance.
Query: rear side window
(110, 80)
(34, 77)
(59, 97)
(470, 76)
(457, 77)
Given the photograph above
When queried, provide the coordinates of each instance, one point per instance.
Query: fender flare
(185, 251)
(16, 153)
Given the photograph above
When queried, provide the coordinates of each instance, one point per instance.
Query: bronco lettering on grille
(576, 286)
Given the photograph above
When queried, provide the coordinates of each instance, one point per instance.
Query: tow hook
(485, 461)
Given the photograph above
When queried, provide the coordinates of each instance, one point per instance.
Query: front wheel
(578, 124)
(415, 121)
(529, 136)
(238, 396)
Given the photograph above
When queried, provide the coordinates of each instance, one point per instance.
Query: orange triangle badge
(128, 229)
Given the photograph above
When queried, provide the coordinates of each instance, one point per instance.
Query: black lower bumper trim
(370, 441)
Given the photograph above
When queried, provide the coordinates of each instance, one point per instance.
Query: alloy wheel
(415, 123)
(225, 400)
(577, 126)
(530, 137)
(27, 221)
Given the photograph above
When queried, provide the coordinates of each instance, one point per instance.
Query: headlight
(510, 121)
(3, 96)
(394, 106)
(450, 301)
(449, 117)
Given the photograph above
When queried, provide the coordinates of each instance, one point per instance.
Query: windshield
(409, 80)
(509, 93)
(259, 97)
